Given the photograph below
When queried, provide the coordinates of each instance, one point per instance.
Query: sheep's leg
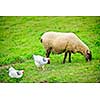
(70, 57)
(65, 57)
(48, 51)
(47, 54)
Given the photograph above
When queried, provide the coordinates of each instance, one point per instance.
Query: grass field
(20, 39)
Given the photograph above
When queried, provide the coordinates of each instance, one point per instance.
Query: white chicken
(40, 61)
(15, 73)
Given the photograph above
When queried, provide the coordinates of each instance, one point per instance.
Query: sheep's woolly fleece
(63, 42)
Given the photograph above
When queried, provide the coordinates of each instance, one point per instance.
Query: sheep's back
(65, 42)
(61, 41)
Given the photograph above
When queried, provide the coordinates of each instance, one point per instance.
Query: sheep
(58, 42)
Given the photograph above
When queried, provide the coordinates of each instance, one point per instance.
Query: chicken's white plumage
(40, 61)
(15, 73)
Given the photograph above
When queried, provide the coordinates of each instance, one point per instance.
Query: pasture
(20, 39)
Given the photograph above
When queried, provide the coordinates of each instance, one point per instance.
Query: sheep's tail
(41, 40)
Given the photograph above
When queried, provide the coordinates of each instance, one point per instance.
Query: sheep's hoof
(48, 61)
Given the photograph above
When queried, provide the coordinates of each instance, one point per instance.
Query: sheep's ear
(88, 52)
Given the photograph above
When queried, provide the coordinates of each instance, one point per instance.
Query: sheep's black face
(88, 56)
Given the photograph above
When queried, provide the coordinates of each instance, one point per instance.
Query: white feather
(15, 73)
(39, 60)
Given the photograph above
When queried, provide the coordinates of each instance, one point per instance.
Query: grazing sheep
(58, 43)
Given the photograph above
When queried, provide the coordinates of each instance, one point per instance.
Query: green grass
(20, 38)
